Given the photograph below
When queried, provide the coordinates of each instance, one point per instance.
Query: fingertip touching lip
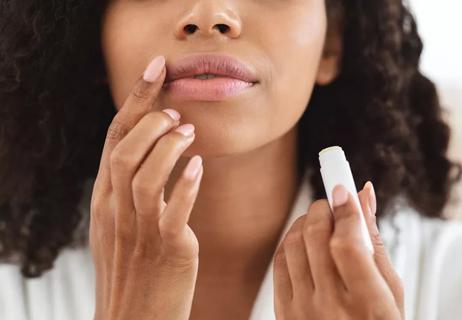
(217, 64)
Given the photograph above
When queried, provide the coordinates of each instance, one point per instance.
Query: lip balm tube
(335, 169)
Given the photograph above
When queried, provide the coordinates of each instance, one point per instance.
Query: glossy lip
(233, 77)
(217, 64)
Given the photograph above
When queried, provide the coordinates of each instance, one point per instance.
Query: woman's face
(282, 40)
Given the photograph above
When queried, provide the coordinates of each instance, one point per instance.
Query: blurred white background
(440, 26)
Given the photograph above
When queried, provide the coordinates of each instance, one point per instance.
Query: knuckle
(297, 225)
(98, 210)
(97, 213)
(317, 223)
(350, 246)
(376, 239)
(318, 205)
(316, 229)
(95, 203)
(117, 130)
(373, 219)
(292, 238)
(279, 256)
(173, 139)
(162, 118)
(141, 187)
(97, 218)
(119, 159)
(171, 145)
(99, 185)
(140, 93)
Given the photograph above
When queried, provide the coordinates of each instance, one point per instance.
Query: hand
(145, 254)
(323, 270)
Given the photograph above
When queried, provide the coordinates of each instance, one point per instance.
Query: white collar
(263, 308)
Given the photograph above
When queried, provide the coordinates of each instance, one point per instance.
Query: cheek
(296, 52)
(126, 48)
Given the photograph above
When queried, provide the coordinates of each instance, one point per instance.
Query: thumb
(368, 201)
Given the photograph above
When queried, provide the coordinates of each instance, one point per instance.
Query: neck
(242, 206)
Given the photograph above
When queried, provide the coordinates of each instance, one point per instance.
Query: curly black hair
(55, 110)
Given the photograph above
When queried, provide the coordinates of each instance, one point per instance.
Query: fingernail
(154, 69)
(185, 129)
(339, 195)
(172, 113)
(371, 197)
(192, 169)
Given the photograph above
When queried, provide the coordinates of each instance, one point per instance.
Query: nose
(209, 18)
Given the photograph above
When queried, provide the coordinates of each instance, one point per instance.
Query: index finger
(139, 102)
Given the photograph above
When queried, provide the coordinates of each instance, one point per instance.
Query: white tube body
(335, 169)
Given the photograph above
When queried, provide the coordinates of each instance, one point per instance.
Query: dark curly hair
(55, 111)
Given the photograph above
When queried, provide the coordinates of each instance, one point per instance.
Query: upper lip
(217, 64)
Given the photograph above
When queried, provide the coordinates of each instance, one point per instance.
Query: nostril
(190, 28)
(223, 27)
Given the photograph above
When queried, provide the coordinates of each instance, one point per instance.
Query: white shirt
(426, 253)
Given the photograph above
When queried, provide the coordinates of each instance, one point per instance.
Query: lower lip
(209, 89)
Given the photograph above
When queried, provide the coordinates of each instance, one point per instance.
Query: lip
(219, 64)
(233, 76)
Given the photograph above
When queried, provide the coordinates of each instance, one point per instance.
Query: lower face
(282, 40)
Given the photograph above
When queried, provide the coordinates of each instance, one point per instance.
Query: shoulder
(432, 236)
(68, 286)
(443, 244)
(71, 261)
(428, 235)
(427, 254)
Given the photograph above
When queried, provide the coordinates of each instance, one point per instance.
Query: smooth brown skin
(323, 270)
(248, 145)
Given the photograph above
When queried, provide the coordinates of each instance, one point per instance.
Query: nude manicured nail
(172, 113)
(185, 129)
(153, 70)
(371, 197)
(193, 167)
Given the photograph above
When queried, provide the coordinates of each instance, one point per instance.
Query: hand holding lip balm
(324, 267)
(335, 170)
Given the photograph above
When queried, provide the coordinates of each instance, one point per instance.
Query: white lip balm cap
(335, 170)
